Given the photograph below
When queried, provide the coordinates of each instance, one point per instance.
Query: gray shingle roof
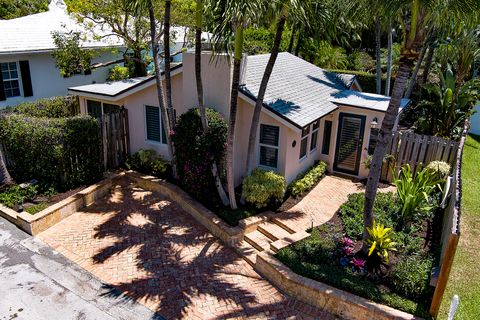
(298, 90)
(111, 88)
(365, 100)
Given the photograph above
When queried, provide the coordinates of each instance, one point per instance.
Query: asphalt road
(38, 283)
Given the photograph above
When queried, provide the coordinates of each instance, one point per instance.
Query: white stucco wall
(46, 79)
(475, 121)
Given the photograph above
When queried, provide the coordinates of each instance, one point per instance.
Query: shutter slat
(152, 115)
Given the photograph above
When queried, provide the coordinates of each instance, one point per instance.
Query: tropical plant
(148, 162)
(447, 105)
(360, 61)
(419, 16)
(380, 242)
(439, 169)
(261, 187)
(413, 191)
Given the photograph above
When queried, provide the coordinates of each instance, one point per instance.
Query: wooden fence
(115, 138)
(451, 229)
(415, 149)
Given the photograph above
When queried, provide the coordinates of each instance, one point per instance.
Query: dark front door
(349, 143)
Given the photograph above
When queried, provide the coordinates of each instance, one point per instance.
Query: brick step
(273, 231)
(282, 243)
(248, 252)
(283, 225)
(258, 240)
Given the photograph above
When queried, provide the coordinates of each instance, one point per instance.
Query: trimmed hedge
(65, 152)
(307, 180)
(366, 80)
(56, 107)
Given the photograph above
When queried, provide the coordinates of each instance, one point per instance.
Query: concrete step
(273, 231)
(258, 240)
(248, 252)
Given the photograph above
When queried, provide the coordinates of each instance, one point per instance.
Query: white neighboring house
(475, 121)
(28, 70)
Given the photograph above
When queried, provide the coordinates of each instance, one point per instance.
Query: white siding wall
(46, 78)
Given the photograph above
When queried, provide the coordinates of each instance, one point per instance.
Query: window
(313, 142)
(96, 108)
(304, 144)
(373, 140)
(11, 80)
(269, 136)
(327, 134)
(153, 125)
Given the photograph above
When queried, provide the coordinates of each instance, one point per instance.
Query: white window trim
(19, 79)
(260, 145)
(153, 142)
(311, 137)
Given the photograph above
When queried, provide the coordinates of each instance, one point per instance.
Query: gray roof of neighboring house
(365, 100)
(33, 33)
(297, 90)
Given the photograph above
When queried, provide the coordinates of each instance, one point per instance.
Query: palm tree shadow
(180, 264)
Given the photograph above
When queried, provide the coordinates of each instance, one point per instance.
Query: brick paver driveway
(148, 249)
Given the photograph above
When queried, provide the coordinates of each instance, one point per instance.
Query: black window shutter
(3, 97)
(26, 78)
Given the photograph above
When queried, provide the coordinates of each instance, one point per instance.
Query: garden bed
(333, 255)
(54, 208)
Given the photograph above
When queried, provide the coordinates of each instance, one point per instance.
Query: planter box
(41, 221)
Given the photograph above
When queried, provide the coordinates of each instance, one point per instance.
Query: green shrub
(148, 162)
(410, 276)
(439, 169)
(233, 216)
(385, 210)
(307, 180)
(261, 187)
(196, 151)
(64, 152)
(366, 80)
(37, 208)
(361, 61)
(16, 195)
(56, 107)
(118, 73)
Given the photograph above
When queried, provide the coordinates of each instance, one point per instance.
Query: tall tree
(11, 9)
(201, 104)
(5, 177)
(419, 17)
(389, 59)
(283, 8)
(413, 78)
(378, 46)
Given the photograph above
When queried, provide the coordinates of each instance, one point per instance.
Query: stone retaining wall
(34, 224)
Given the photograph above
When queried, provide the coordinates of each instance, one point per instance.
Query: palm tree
(388, 79)
(201, 105)
(421, 17)
(5, 177)
(236, 15)
(413, 78)
(378, 46)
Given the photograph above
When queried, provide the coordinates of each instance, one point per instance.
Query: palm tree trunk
(413, 79)
(201, 105)
(5, 177)
(156, 62)
(428, 63)
(292, 40)
(389, 62)
(237, 60)
(384, 137)
(261, 93)
(168, 82)
(299, 43)
(378, 45)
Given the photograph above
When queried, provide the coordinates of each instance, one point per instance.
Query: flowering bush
(196, 151)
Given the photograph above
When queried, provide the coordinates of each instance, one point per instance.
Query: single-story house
(309, 114)
(28, 70)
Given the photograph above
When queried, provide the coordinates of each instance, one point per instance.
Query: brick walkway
(322, 202)
(148, 249)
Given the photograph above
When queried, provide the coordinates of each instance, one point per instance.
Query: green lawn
(465, 277)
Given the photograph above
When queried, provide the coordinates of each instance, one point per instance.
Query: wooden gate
(415, 149)
(115, 138)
